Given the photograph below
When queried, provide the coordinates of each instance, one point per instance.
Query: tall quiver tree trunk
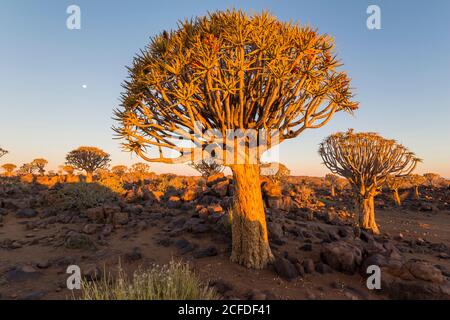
(249, 230)
(365, 207)
(89, 177)
(396, 196)
(333, 190)
(416, 192)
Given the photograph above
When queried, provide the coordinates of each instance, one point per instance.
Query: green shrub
(174, 281)
(79, 196)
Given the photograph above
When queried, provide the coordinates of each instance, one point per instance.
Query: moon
(84, 86)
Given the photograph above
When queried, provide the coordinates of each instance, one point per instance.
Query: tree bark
(88, 177)
(416, 192)
(249, 231)
(397, 200)
(366, 211)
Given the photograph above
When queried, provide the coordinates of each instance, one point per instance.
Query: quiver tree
(366, 160)
(9, 169)
(119, 170)
(332, 180)
(416, 180)
(207, 167)
(141, 170)
(394, 183)
(88, 159)
(69, 170)
(432, 179)
(2, 152)
(275, 171)
(27, 168)
(40, 164)
(228, 80)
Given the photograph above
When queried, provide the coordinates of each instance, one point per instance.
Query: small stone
(323, 268)
(26, 213)
(90, 228)
(43, 264)
(206, 252)
(399, 237)
(307, 247)
(308, 265)
(285, 269)
(121, 218)
(134, 255)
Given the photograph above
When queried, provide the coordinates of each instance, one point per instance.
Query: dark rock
(121, 218)
(285, 268)
(306, 247)
(308, 265)
(134, 255)
(323, 268)
(21, 273)
(92, 273)
(36, 295)
(26, 213)
(43, 264)
(342, 256)
(222, 286)
(90, 228)
(206, 252)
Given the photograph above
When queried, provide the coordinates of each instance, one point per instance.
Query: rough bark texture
(366, 211)
(249, 231)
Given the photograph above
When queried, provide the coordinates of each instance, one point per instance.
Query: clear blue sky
(400, 73)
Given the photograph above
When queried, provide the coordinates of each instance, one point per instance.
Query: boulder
(285, 269)
(342, 256)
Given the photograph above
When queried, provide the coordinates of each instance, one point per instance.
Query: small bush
(113, 183)
(174, 281)
(79, 196)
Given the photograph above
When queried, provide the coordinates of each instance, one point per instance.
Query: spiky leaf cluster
(228, 70)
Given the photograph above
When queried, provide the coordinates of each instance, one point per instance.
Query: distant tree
(275, 171)
(2, 152)
(416, 180)
(366, 160)
(332, 180)
(69, 170)
(88, 159)
(207, 167)
(432, 179)
(9, 169)
(119, 170)
(27, 168)
(40, 165)
(394, 183)
(141, 170)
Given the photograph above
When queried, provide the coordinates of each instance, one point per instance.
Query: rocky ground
(318, 253)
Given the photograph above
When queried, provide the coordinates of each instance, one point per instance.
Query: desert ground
(47, 225)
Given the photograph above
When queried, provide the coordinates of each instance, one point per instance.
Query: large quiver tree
(228, 72)
(366, 160)
(88, 159)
